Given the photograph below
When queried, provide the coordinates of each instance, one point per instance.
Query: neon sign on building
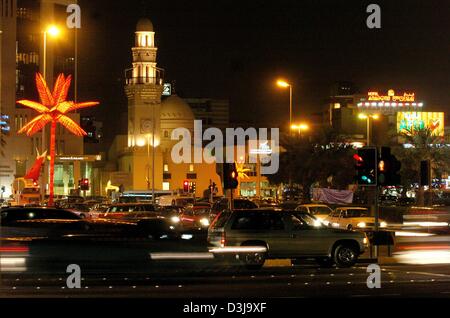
(374, 99)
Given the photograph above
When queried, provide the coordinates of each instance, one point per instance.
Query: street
(207, 280)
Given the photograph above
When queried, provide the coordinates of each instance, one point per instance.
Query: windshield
(305, 219)
(319, 210)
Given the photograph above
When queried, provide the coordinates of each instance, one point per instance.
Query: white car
(320, 211)
(353, 218)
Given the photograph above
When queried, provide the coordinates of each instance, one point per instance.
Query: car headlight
(365, 240)
(361, 224)
(383, 224)
(325, 222)
(204, 222)
(175, 219)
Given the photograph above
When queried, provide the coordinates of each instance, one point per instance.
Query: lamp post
(367, 118)
(284, 84)
(53, 31)
(148, 161)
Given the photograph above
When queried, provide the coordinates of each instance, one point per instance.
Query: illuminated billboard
(407, 122)
(391, 101)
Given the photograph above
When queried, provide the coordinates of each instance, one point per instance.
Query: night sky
(236, 50)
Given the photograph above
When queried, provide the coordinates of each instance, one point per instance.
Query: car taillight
(223, 240)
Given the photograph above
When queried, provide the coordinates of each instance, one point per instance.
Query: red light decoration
(53, 108)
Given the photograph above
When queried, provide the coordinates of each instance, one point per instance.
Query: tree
(424, 145)
(323, 159)
(53, 109)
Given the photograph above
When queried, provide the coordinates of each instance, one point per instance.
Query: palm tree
(242, 174)
(53, 109)
(424, 147)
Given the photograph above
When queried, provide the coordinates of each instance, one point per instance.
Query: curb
(278, 263)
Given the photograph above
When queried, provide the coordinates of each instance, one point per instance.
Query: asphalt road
(207, 280)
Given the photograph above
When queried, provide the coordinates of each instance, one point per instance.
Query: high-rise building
(23, 23)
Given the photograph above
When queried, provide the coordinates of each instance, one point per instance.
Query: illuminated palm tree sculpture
(53, 109)
(242, 174)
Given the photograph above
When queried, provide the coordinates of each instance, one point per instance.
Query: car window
(258, 221)
(221, 219)
(306, 220)
(319, 210)
(355, 213)
(302, 209)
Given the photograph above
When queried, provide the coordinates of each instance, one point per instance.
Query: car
(320, 211)
(238, 204)
(289, 205)
(353, 218)
(56, 223)
(196, 216)
(80, 209)
(129, 211)
(253, 236)
(33, 222)
(175, 200)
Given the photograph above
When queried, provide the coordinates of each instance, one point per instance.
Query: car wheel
(345, 256)
(254, 261)
(325, 262)
(82, 216)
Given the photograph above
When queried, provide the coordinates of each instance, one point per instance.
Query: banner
(332, 196)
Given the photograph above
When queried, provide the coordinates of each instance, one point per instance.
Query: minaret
(144, 86)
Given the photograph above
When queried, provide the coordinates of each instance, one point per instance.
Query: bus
(26, 192)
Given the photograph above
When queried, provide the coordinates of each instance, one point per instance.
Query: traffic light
(366, 166)
(84, 184)
(230, 176)
(388, 168)
(186, 186)
(192, 187)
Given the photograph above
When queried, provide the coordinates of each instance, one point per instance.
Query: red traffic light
(358, 158)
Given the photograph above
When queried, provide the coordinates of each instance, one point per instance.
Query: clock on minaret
(146, 126)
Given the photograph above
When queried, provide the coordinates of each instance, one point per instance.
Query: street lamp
(284, 84)
(52, 31)
(300, 127)
(367, 118)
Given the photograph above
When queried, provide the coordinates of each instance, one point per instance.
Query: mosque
(142, 158)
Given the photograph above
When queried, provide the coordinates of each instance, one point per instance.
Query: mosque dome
(144, 25)
(175, 107)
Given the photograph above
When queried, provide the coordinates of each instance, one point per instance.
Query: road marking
(181, 256)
